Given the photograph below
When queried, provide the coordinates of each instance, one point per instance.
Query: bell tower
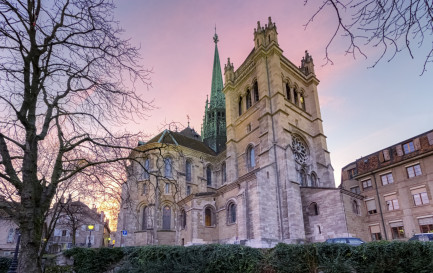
(214, 120)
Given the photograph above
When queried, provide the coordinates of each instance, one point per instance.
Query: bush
(378, 257)
(89, 260)
(4, 264)
(203, 258)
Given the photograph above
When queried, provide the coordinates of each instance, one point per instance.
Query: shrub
(89, 260)
(4, 264)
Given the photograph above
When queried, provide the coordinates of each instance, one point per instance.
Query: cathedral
(260, 172)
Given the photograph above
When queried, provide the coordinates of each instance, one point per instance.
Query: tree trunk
(31, 231)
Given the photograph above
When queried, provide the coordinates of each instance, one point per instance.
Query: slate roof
(184, 138)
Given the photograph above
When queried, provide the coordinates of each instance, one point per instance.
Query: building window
(209, 175)
(188, 170)
(366, 184)
(224, 172)
(313, 209)
(251, 160)
(168, 167)
(313, 179)
(387, 179)
(302, 99)
(146, 169)
(256, 91)
(352, 173)
(144, 189)
(375, 233)
(240, 106)
(295, 96)
(426, 224)
(231, 213)
(413, 171)
(188, 190)
(11, 236)
(288, 92)
(397, 230)
(356, 189)
(167, 188)
(209, 217)
(248, 99)
(303, 178)
(371, 206)
(182, 219)
(391, 202)
(166, 218)
(355, 207)
(408, 148)
(144, 218)
(420, 197)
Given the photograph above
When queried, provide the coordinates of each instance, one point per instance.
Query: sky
(363, 109)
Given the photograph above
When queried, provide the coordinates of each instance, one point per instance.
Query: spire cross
(215, 37)
(187, 116)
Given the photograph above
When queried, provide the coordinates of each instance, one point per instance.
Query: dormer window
(408, 147)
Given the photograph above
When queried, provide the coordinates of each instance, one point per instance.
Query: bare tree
(66, 80)
(390, 26)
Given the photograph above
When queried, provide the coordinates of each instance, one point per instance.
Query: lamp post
(90, 227)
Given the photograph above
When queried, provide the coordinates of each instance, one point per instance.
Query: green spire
(214, 121)
(216, 96)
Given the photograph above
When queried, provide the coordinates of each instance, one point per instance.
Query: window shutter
(430, 138)
(416, 144)
(426, 221)
(416, 191)
(399, 150)
(386, 155)
(375, 229)
(371, 205)
(396, 224)
(391, 197)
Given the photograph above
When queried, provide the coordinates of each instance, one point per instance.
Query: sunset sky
(363, 109)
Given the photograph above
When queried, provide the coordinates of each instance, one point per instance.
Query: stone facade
(258, 189)
(397, 188)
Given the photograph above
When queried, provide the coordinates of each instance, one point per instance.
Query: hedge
(4, 264)
(377, 257)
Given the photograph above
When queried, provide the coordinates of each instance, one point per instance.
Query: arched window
(188, 170)
(240, 106)
(182, 219)
(295, 96)
(313, 179)
(303, 178)
(288, 92)
(144, 218)
(251, 158)
(168, 167)
(248, 99)
(301, 98)
(209, 217)
(256, 92)
(166, 218)
(355, 207)
(144, 188)
(209, 175)
(313, 209)
(224, 172)
(231, 213)
(146, 169)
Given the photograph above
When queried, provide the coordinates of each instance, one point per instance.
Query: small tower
(229, 71)
(307, 65)
(214, 120)
(264, 36)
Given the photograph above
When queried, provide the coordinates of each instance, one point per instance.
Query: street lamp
(90, 227)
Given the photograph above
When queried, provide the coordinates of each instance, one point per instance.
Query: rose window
(299, 149)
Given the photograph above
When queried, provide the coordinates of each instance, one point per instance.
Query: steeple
(214, 121)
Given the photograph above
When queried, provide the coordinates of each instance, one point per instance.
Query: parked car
(349, 240)
(424, 237)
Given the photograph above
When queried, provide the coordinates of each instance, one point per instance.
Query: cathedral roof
(182, 138)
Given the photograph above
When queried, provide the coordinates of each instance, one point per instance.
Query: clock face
(299, 149)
